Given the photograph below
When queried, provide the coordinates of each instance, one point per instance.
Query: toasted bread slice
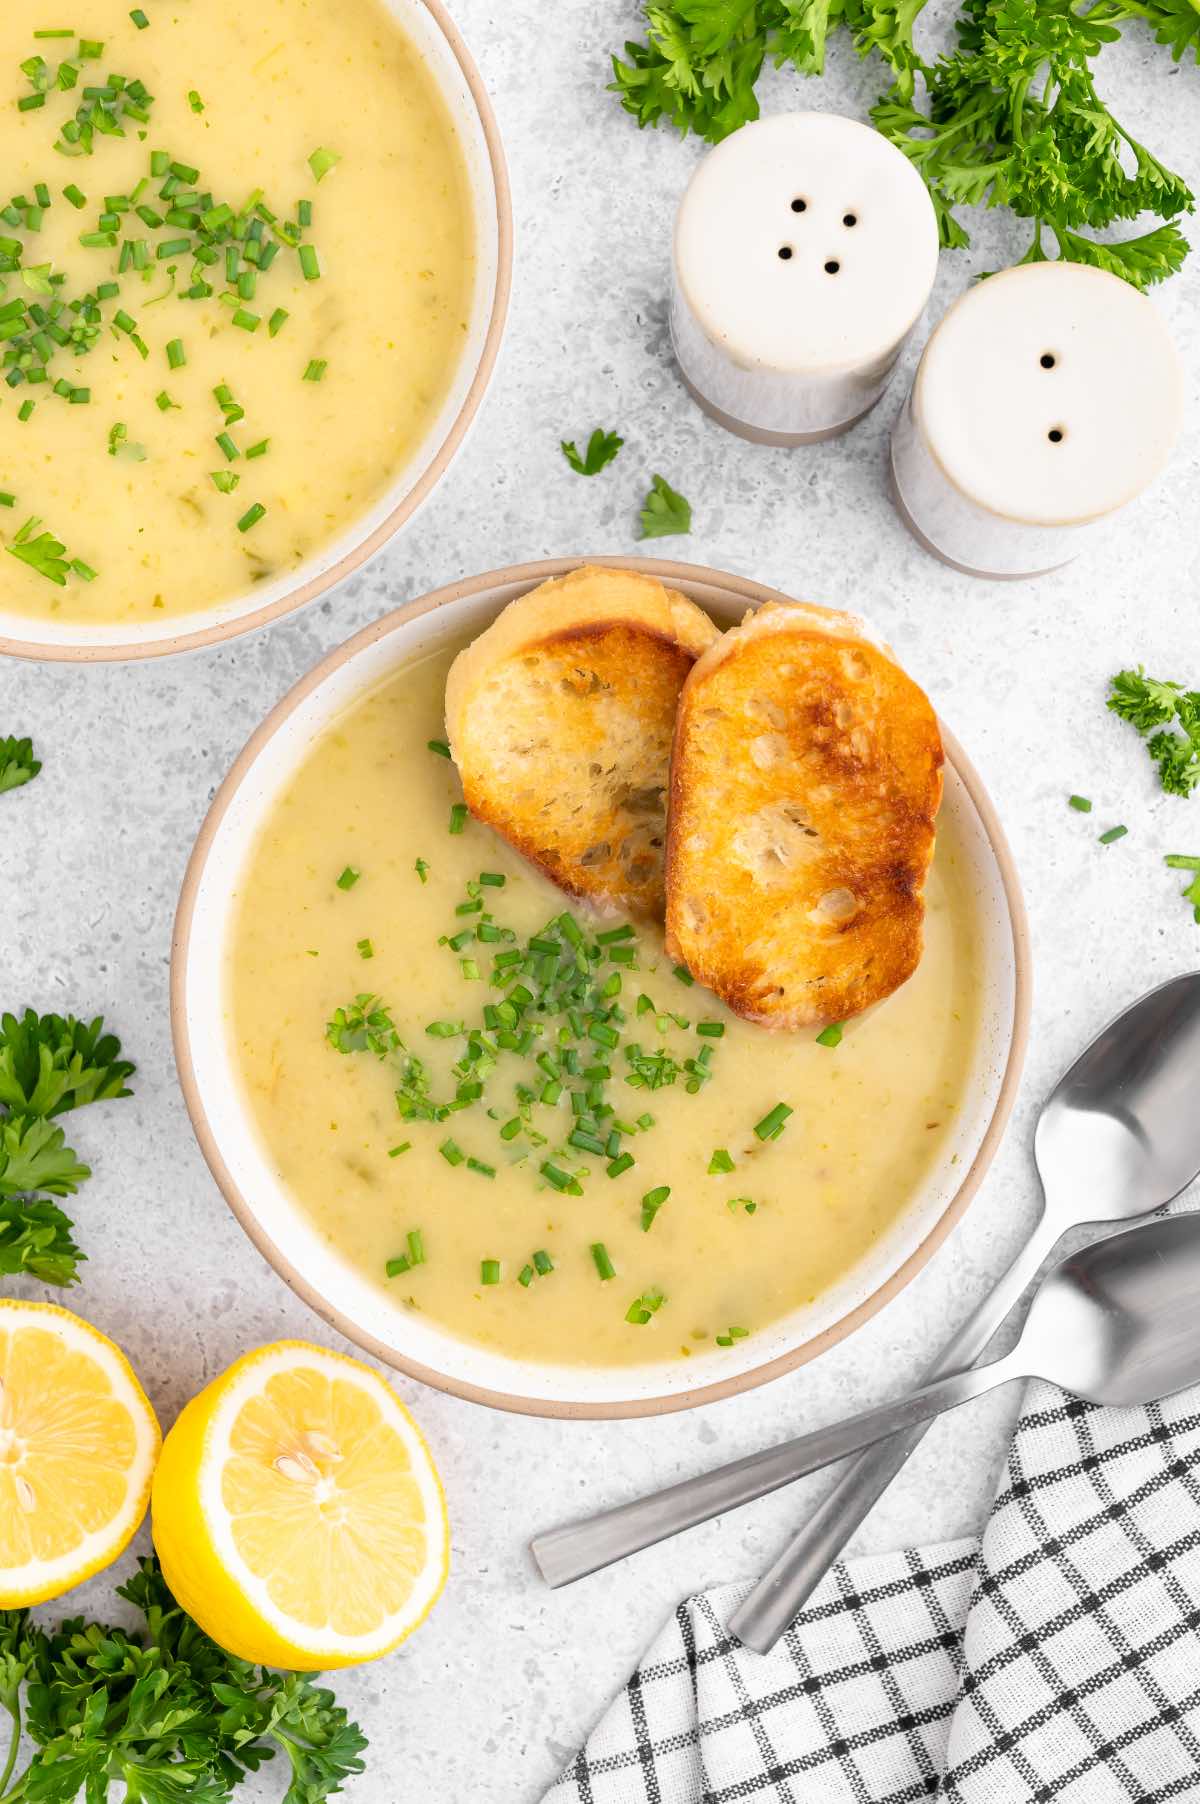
(560, 717)
(806, 778)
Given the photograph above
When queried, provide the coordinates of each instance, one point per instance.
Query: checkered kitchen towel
(1058, 1659)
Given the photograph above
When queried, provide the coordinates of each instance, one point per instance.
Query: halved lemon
(297, 1513)
(78, 1442)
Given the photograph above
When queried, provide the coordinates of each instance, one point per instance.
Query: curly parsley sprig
(18, 765)
(164, 1712)
(1011, 117)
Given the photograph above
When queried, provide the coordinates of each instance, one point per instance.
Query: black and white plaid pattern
(1058, 1660)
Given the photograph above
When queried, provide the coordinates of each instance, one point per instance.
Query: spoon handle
(571, 1552)
(784, 1589)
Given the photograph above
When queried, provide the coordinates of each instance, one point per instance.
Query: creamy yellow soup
(373, 807)
(244, 94)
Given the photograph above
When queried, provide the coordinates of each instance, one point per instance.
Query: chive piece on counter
(458, 817)
(720, 1161)
(348, 878)
(176, 355)
(365, 948)
(771, 1125)
(602, 1262)
(1081, 804)
(451, 1152)
(438, 746)
(322, 161)
(831, 1035)
(251, 517)
(1113, 834)
(652, 1202)
(416, 1247)
(316, 369)
(395, 1151)
(489, 1271)
(543, 1263)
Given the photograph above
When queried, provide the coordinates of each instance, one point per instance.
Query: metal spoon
(1116, 1323)
(1118, 1137)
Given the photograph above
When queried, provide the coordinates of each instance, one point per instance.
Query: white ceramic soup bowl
(429, 27)
(224, 1125)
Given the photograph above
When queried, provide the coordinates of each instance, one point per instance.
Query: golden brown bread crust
(560, 717)
(806, 778)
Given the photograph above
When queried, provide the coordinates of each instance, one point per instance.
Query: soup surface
(753, 1225)
(332, 353)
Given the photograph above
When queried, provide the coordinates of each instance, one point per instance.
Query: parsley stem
(13, 1745)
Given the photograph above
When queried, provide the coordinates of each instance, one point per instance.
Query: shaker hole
(832, 267)
(785, 251)
(799, 206)
(849, 219)
(1047, 360)
(1056, 435)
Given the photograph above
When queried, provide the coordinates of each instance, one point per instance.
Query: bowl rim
(668, 571)
(100, 652)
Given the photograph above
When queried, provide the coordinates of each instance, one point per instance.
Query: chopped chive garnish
(310, 265)
(683, 974)
(164, 403)
(711, 1030)
(348, 878)
(831, 1035)
(619, 1165)
(720, 1161)
(227, 445)
(251, 517)
(489, 1271)
(543, 1263)
(7, 500)
(730, 1335)
(422, 870)
(485, 1171)
(176, 355)
(652, 1202)
(395, 1151)
(365, 948)
(525, 1276)
(1113, 834)
(276, 322)
(322, 161)
(395, 1267)
(416, 1247)
(614, 935)
(458, 817)
(451, 1152)
(224, 481)
(1081, 804)
(492, 879)
(74, 195)
(259, 450)
(741, 1202)
(316, 369)
(643, 1307)
(439, 746)
(603, 1263)
(139, 18)
(771, 1125)
(194, 101)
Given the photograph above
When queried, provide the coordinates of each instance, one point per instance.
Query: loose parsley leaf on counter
(1179, 861)
(1148, 704)
(34, 1156)
(35, 1241)
(602, 447)
(52, 1063)
(163, 1712)
(17, 763)
(664, 511)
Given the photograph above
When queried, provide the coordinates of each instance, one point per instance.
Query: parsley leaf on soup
(17, 763)
(602, 447)
(664, 511)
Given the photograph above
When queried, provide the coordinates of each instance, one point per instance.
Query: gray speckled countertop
(492, 1696)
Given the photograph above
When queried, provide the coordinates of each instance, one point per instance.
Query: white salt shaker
(1048, 397)
(805, 249)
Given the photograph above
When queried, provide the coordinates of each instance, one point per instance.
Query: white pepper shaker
(1048, 397)
(805, 249)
